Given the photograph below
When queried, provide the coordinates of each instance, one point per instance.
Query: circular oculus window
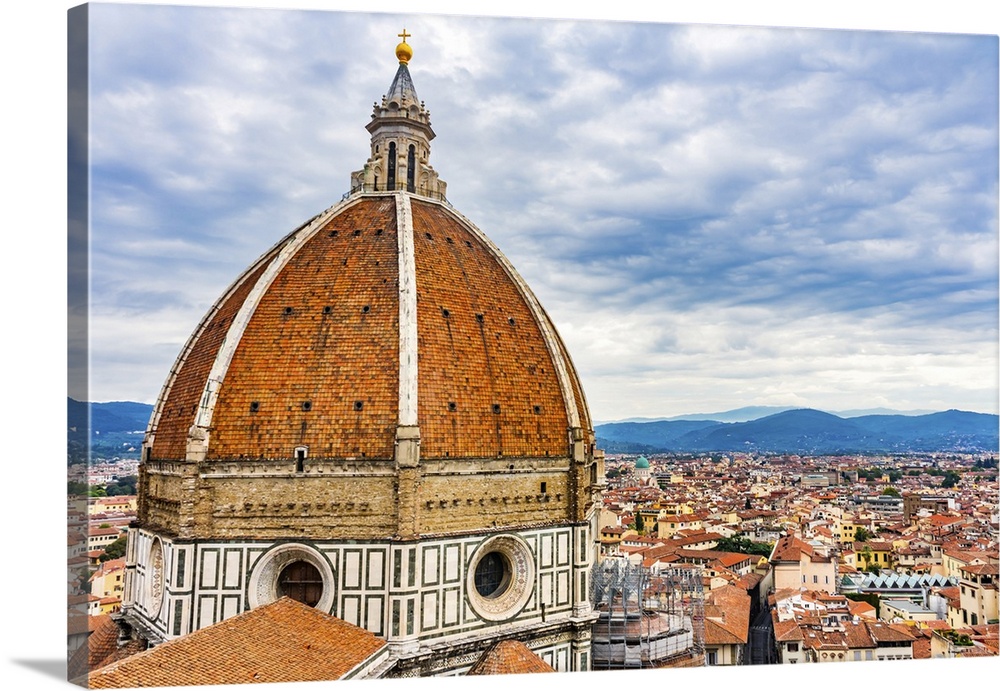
(500, 577)
(292, 570)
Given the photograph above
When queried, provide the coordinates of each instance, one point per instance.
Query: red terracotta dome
(304, 349)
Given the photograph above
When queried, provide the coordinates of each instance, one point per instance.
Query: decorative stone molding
(516, 585)
(263, 585)
(155, 593)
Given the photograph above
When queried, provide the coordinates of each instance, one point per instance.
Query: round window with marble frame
(500, 577)
(264, 586)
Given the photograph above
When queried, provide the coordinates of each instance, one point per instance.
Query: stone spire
(401, 135)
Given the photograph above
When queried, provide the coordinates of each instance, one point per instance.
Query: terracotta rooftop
(100, 649)
(509, 657)
(882, 632)
(861, 608)
(787, 631)
(922, 648)
(857, 635)
(789, 548)
(78, 622)
(279, 642)
(982, 569)
(727, 615)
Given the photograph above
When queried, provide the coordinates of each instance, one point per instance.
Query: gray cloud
(714, 216)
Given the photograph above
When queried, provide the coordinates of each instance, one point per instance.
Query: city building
(978, 588)
(795, 563)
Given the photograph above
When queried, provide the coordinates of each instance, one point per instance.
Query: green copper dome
(641, 462)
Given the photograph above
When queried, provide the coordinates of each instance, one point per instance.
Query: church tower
(376, 418)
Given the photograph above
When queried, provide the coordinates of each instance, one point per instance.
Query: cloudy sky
(714, 216)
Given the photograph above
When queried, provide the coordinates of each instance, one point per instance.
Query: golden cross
(404, 35)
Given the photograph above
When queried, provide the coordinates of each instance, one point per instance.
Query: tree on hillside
(123, 486)
(640, 523)
(890, 492)
(863, 535)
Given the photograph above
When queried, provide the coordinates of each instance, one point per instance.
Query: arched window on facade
(411, 167)
(390, 183)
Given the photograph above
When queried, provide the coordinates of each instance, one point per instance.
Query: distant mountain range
(755, 412)
(806, 432)
(119, 427)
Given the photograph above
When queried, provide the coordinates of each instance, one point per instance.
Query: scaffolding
(648, 618)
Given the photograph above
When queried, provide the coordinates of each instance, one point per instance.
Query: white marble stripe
(407, 312)
(224, 357)
(551, 336)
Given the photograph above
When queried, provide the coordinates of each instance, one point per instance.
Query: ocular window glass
(301, 581)
(492, 574)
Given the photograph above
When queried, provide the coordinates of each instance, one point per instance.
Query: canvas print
(417, 345)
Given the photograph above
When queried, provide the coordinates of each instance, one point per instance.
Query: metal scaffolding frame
(647, 617)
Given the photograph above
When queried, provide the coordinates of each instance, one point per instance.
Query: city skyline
(713, 216)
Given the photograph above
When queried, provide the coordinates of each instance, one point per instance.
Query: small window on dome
(333, 233)
(445, 313)
(479, 318)
(537, 409)
(366, 309)
(511, 321)
(359, 405)
(378, 232)
(288, 310)
(429, 236)
(496, 407)
(357, 233)
(452, 406)
(254, 406)
(327, 309)
(450, 241)
(307, 406)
